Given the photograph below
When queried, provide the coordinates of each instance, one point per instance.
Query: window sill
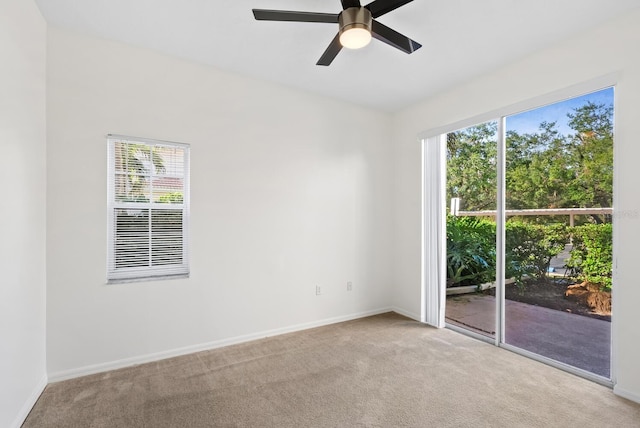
(147, 279)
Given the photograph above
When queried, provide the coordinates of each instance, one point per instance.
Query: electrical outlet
(349, 286)
(318, 290)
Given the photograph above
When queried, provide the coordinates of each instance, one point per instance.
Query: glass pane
(558, 257)
(471, 228)
(166, 242)
(168, 182)
(133, 172)
(120, 156)
(121, 187)
(172, 161)
(131, 235)
(168, 190)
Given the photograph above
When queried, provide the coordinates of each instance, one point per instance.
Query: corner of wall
(30, 402)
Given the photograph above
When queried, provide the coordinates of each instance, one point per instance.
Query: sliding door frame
(434, 286)
(500, 230)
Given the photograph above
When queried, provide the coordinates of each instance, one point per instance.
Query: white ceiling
(461, 39)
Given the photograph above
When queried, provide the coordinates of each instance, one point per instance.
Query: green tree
(545, 169)
(537, 173)
(591, 148)
(550, 170)
(471, 166)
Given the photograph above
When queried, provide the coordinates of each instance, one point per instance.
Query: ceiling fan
(356, 25)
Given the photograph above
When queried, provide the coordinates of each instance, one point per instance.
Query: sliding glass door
(559, 192)
(529, 232)
(471, 229)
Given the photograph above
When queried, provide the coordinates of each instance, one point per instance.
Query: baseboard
(407, 314)
(633, 396)
(128, 362)
(31, 401)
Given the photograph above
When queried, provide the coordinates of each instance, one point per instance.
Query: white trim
(148, 278)
(624, 393)
(467, 332)
(501, 219)
(424, 291)
(573, 91)
(31, 401)
(614, 243)
(141, 359)
(442, 289)
(146, 140)
(408, 314)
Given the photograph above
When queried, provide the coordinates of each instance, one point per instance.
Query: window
(148, 209)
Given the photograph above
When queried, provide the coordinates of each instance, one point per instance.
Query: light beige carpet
(382, 371)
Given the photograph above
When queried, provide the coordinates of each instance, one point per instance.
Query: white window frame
(145, 273)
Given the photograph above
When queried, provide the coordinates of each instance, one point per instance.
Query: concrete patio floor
(576, 340)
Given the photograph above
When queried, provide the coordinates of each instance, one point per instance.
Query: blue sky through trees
(546, 170)
(529, 121)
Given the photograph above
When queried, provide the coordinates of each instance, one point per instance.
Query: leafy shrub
(171, 198)
(471, 256)
(591, 258)
(530, 248)
(471, 242)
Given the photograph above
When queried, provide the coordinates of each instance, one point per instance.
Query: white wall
(611, 48)
(289, 190)
(22, 208)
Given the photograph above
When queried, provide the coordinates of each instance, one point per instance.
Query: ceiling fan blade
(332, 51)
(393, 38)
(346, 4)
(289, 15)
(380, 7)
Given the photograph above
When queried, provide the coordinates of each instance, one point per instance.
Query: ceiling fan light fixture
(355, 38)
(355, 27)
